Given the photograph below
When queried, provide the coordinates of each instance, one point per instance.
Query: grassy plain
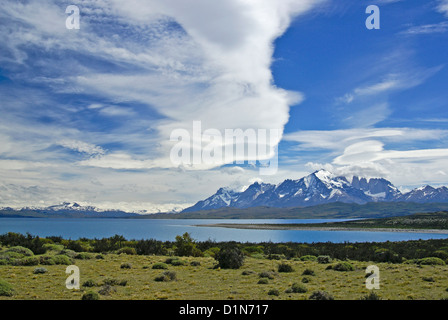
(204, 282)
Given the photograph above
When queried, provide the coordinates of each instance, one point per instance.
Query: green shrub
(114, 282)
(230, 258)
(211, 252)
(53, 247)
(90, 295)
(106, 290)
(6, 289)
(263, 281)
(323, 259)
(306, 280)
(89, 283)
(428, 279)
(298, 288)
(320, 295)
(127, 250)
(22, 250)
(27, 261)
(62, 259)
(47, 260)
(177, 263)
(273, 292)
(159, 265)
(83, 256)
(284, 267)
(126, 265)
(186, 246)
(247, 272)
(267, 274)
(431, 261)
(68, 253)
(371, 296)
(195, 263)
(308, 272)
(11, 256)
(308, 258)
(275, 256)
(442, 254)
(40, 270)
(343, 266)
(166, 276)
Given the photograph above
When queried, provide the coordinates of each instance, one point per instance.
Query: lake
(167, 230)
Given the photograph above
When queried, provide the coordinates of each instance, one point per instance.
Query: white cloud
(340, 139)
(83, 147)
(395, 81)
(440, 27)
(379, 152)
(443, 7)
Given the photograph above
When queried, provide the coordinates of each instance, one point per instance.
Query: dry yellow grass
(397, 281)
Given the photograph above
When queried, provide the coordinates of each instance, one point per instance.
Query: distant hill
(337, 210)
(64, 210)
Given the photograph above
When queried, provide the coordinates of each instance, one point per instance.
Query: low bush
(247, 272)
(22, 250)
(431, 261)
(263, 281)
(324, 259)
(126, 265)
(62, 259)
(160, 265)
(320, 295)
(68, 253)
(273, 292)
(308, 258)
(211, 252)
(6, 289)
(308, 272)
(40, 270)
(428, 279)
(276, 256)
(230, 258)
(89, 283)
(343, 266)
(267, 274)
(177, 263)
(371, 296)
(166, 276)
(127, 250)
(53, 247)
(83, 256)
(27, 261)
(298, 288)
(114, 282)
(284, 267)
(195, 263)
(90, 295)
(306, 280)
(106, 290)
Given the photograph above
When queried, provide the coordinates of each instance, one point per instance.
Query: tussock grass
(201, 280)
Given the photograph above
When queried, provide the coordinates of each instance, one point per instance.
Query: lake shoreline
(297, 227)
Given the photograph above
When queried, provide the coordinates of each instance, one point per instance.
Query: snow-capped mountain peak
(316, 188)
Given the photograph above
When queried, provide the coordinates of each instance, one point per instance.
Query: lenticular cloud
(216, 64)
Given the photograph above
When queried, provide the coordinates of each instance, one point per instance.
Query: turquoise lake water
(167, 230)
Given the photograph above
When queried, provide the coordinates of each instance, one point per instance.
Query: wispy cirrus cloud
(101, 102)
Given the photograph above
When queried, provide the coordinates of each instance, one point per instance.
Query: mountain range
(320, 187)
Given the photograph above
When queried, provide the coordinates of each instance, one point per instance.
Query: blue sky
(86, 115)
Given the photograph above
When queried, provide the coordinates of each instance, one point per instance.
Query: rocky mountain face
(319, 187)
